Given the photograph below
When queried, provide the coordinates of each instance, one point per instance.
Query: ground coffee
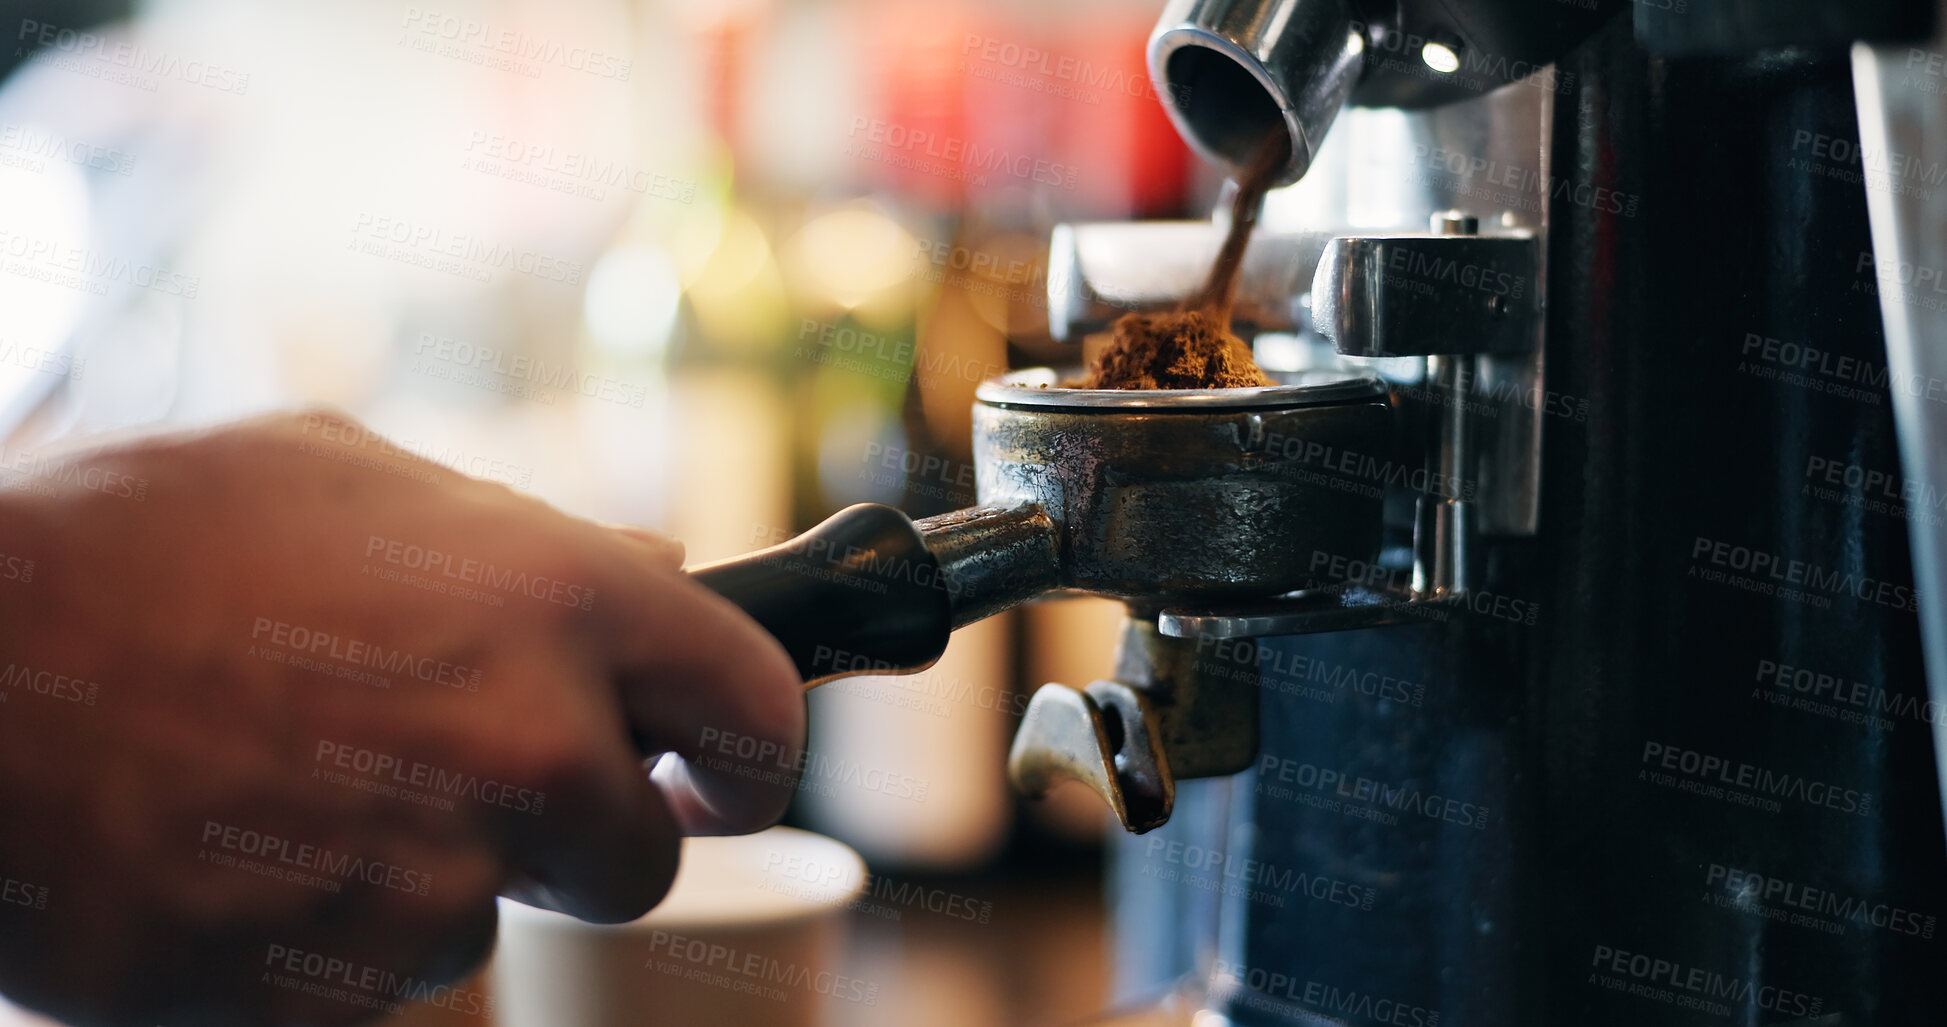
(1192, 347)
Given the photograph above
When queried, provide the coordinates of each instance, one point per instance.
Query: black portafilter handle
(871, 591)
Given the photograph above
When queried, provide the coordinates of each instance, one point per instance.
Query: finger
(689, 798)
(718, 691)
(446, 895)
(604, 859)
(700, 678)
(465, 944)
(379, 932)
(696, 676)
(668, 551)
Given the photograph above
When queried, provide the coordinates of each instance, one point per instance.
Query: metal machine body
(1670, 760)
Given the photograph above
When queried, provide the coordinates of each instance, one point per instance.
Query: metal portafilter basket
(1184, 499)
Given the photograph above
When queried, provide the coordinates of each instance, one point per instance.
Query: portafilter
(1156, 498)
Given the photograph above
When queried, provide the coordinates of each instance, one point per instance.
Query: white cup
(750, 935)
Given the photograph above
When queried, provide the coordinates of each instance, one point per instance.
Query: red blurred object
(725, 46)
(970, 101)
(1123, 141)
(916, 137)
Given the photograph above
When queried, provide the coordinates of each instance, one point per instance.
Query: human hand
(283, 708)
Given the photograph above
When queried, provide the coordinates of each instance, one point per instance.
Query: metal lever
(1426, 295)
(1099, 271)
(1452, 296)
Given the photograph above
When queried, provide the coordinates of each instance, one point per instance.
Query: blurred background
(714, 267)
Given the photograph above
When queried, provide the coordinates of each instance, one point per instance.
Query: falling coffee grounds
(1192, 347)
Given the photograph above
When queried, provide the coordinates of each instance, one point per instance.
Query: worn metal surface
(1039, 388)
(993, 557)
(1206, 707)
(1166, 503)
(1104, 736)
(1158, 497)
(1176, 709)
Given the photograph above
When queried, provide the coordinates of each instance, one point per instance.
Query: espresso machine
(1560, 641)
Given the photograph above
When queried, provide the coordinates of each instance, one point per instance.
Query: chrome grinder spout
(1232, 71)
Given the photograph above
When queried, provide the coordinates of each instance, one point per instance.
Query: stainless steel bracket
(1344, 608)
